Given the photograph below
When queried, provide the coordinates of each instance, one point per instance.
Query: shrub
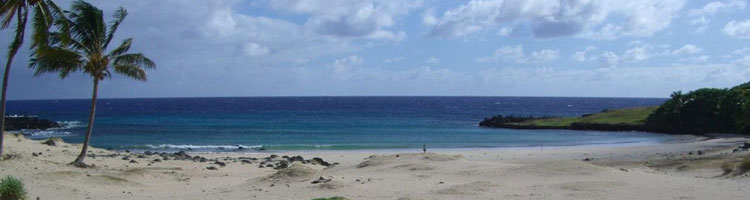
(10, 156)
(12, 189)
(727, 168)
(744, 165)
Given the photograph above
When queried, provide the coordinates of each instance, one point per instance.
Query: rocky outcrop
(13, 123)
(500, 121)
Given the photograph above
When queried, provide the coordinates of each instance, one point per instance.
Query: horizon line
(337, 96)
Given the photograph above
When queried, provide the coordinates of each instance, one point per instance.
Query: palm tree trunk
(79, 161)
(12, 53)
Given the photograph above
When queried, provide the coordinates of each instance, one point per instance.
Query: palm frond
(20, 31)
(87, 25)
(119, 16)
(122, 49)
(131, 71)
(56, 59)
(8, 11)
(60, 21)
(41, 22)
(135, 59)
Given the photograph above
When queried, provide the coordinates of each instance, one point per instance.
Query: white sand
(655, 171)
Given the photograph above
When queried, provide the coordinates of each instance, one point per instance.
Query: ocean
(322, 123)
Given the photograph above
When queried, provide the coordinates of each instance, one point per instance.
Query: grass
(12, 189)
(331, 198)
(727, 168)
(629, 116)
(744, 166)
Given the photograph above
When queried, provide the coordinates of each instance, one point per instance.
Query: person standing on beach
(424, 148)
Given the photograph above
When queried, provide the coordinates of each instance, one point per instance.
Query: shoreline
(252, 149)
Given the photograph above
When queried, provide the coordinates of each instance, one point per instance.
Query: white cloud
(344, 65)
(428, 17)
(638, 53)
(432, 60)
(712, 7)
(741, 52)
(701, 17)
(516, 54)
(545, 55)
(505, 53)
(696, 59)
(351, 18)
(743, 61)
(740, 29)
(580, 56)
(688, 49)
(561, 18)
(255, 49)
(610, 58)
(505, 31)
(393, 60)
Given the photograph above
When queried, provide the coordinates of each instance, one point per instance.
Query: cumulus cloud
(505, 31)
(610, 58)
(345, 65)
(740, 29)
(581, 56)
(516, 54)
(560, 18)
(638, 53)
(254, 49)
(696, 59)
(688, 49)
(351, 18)
(545, 55)
(505, 54)
(742, 51)
(236, 48)
(701, 17)
(743, 61)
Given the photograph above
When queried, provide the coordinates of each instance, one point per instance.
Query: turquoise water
(323, 123)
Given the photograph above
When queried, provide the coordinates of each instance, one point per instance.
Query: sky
(607, 48)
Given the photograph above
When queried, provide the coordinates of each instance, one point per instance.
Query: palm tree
(45, 14)
(85, 49)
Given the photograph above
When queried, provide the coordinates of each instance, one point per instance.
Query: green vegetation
(707, 110)
(85, 48)
(744, 165)
(331, 198)
(12, 189)
(630, 116)
(727, 168)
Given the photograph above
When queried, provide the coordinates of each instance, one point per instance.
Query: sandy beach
(674, 170)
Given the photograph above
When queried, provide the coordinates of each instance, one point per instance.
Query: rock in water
(13, 122)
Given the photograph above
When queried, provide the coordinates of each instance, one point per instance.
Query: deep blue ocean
(323, 123)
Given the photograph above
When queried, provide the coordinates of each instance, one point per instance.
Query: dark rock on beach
(52, 141)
